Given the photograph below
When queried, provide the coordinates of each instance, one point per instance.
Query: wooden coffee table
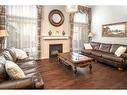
(75, 60)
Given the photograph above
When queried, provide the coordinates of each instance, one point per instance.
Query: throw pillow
(20, 54)
(87, 46)
(2, 60)
(13, 70)
(7, 55)
(12, 52)
(120, 51)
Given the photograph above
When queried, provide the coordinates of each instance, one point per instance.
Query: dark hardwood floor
(58, 76)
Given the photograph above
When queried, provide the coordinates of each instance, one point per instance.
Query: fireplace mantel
(55, 37)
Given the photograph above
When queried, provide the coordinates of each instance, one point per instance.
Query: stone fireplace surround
(46, 43)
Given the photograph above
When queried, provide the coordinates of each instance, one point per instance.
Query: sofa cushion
(112, 57)
(95, 45)
(27, 65)
(13, 70)
(124, 46)
(125, 62)
(124, 56)
(97, 53)
(87, 51)
(29, 71)
(105, 47)
(113, 48)
(3, 73)
(29, 68)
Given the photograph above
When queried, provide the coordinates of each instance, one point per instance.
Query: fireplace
(54, 49)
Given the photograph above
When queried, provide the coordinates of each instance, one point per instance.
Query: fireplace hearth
(54, 49)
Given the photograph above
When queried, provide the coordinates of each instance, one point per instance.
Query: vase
(50, 33)
(63, 33)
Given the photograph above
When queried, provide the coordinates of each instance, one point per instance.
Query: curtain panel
(39, 25)
(71, 16)
(23, 23)
(2, 17)
(86, 10)
(2, 25)
(79, 27)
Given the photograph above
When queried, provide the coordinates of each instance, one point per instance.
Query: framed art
(114, 30)
(56, 17)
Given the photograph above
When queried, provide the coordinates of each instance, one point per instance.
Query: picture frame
(56, 18)
(115, 30)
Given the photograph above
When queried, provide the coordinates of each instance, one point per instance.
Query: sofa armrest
(17, 84)
(39, 82)
(124, 56)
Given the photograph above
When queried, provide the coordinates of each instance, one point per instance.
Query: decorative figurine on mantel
(50, 33)
(63, 33)
(57, 33)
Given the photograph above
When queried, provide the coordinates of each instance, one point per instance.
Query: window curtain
(22, 25)
(2, 17)
(39, 25)
(2, 25)
(80, 27)
(71, 16)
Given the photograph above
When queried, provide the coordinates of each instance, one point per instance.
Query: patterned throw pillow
(13, 70)
(7, 55)
(20, 54)
(12, 52)
(120, 51)
(87, 46)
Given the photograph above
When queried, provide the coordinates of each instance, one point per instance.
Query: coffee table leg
(58, 59)
(90, 66)
(75, 70)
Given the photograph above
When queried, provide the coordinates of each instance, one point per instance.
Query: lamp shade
(3, 33)
(91, 34)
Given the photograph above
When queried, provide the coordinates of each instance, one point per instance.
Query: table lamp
(91, 34)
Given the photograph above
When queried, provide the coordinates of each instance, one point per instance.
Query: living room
(63, 47)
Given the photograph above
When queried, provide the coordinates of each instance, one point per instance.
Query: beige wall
(46, 26)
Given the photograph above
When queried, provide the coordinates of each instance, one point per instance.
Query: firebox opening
(54, 49)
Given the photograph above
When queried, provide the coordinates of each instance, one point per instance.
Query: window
(22, 27)
(80, 31)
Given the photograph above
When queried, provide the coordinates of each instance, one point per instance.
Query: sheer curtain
(22, 28)
(80, 31)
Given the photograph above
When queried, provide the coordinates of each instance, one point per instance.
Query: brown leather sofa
(104, 53)
(29, 66)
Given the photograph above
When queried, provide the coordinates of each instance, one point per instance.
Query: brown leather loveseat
(104, 53)
(33, 77)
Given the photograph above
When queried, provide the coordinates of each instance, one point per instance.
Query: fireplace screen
(54, 49)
